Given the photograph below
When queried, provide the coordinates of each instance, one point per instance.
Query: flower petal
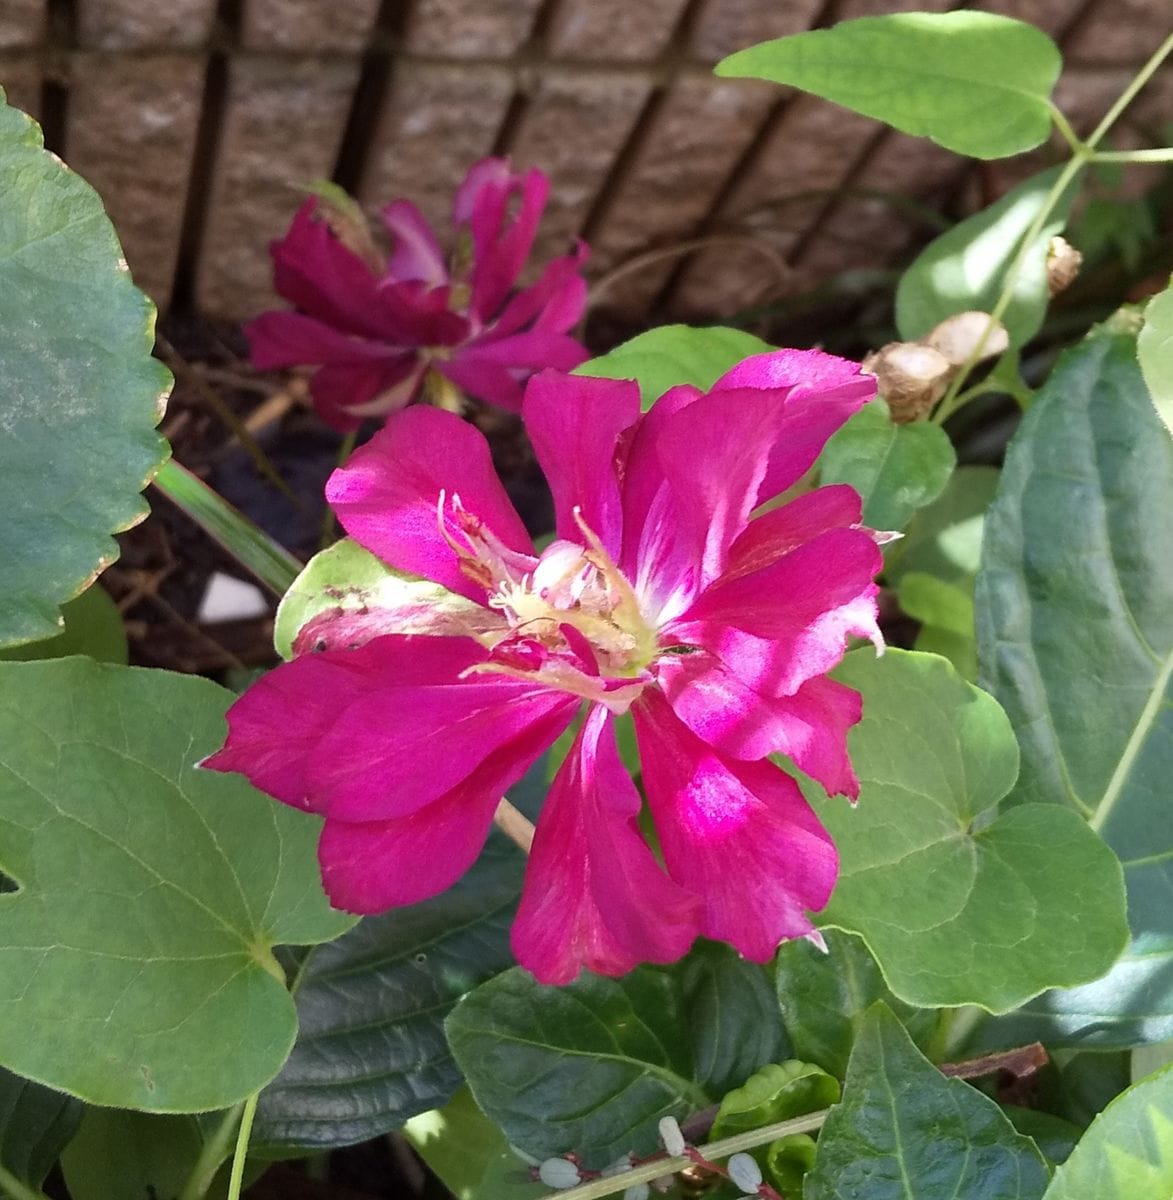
(344, 395)
(417, 254)
(768, 537)
(555, 303)
(574, 424)
(738, 834)
(387, 496)
(501, 245)
(594, 896)
(290, 339)
(780, 626)
(809, 727)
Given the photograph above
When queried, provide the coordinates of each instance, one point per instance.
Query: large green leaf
(593, 1066)
(670, 355)
(36, 1124)
(824, 997)
(961, 904)
(1075, 627)
(1154, 349)
(80, 394)
(1127, 1154)
(967, 267)
(905, 1132)
(370, 1051)
(895, 468)
(974, 82)
(136, 964)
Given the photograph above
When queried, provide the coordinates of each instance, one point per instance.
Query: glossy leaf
(1075, 630)
(904, 1131)
(93, 626)
(136, 966)
(967, 267)
(823, 998)
(371, 1051)
(81, 393)
(961, 904)
(974, 82)
(1154, 349)
(674, 354)
(36, 1124)
(895, 468)
(1127, 1154)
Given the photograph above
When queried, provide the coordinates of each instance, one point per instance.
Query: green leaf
(36, 1124)
(777, 1092)
(93, 626)
(823, 998)
(1055, 1137)
(81, 393)
(967, 267)
(1075, 632)
(1154, 349)
(670, 355)
(961, 904)
(1127, 1154)
(974, 82)
(945, 611)
(371, 1051)
(136, 964)
(904, 1131)
(895, 468)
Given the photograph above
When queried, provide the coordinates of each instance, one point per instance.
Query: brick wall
(197, 120)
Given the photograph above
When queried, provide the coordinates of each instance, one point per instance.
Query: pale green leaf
(1154, 349)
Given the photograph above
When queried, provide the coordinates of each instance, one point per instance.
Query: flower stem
(608, 1185)
(214, 1152)
(236, 1179)
(515, 825)
(15, 1189)
(1164, 154)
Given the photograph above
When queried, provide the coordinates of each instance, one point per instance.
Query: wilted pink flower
(661, 596)
(374, 328)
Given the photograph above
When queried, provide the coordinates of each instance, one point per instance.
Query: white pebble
(744, 1172)
(559, 1173)
(671, 1136)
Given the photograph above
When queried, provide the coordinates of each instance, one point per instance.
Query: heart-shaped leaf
(960, 904)
(1075, 630)
(904, 1131)
(670, 355)
(80, 394)
(136, 964)
(974, 82)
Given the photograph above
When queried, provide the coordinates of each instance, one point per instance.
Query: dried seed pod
(911, 378)
(1063, 263)
(958, 336)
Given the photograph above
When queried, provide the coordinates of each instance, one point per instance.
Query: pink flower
(374, 328)
(662, 596)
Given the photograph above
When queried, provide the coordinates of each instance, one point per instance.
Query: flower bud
(559, 1173)
(744, 1172)
(1063, 263)
(671, 1136)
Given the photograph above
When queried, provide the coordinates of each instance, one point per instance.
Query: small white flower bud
(559, 1173)
(639, 1191)
(618, 1167)
(744, 1172)
(671, 1136)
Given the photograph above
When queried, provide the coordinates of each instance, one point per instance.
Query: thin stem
(213, 1154)
(16, 1189)
(1164, 154)
(608, 1185)
(236, 1179)
(515, 825)
(1129, 94)
(1064, 126)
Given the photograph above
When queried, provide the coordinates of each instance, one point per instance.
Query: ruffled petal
(483, 379)
(416, 254)
(344, 396)
(822, 391)
(289, 339)
(768, 537)
(501, 245)
(574, 424)
(594, 896)
(780, 626)
(740, 835)
(810, 727)
(555, 303)
(387, 496)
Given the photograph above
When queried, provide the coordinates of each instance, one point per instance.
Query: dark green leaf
(80, 394)
(1127, 1154)
(670, 355)
(1075, 629)
(136, 964)
(823, 998)
(93, 626)
(961, 905)
(905, 1132)
(1054, 1136)
(967, 267)
(36, 1124)
(895, 468)
(974, 82)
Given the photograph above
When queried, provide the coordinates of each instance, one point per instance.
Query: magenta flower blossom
(374, 328)
(663, 596)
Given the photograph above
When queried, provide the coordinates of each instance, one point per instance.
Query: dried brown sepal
(1063, 263)
(911, 378)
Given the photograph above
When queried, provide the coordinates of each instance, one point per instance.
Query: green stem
(270, 562)
(1164, 154)
(1064, 127)
(236, 1179)
(1129, 94)
(213, 1154)
(610, 1184)
(15, 1189)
